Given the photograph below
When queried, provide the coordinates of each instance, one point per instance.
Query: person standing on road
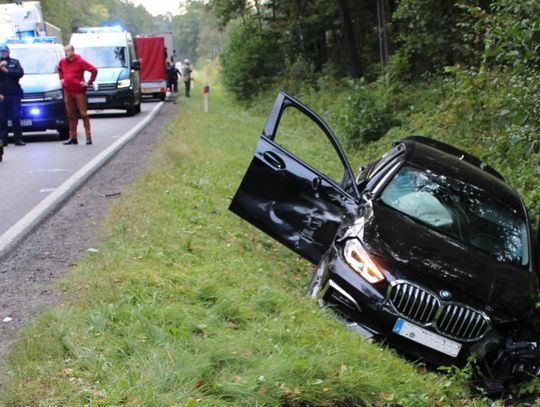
(71, 70)
(1, 141)
(186, 75)
(10, 108)
(172, 77)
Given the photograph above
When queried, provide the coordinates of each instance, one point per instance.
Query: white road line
(49, 170)
(40, 212)
(45, 190)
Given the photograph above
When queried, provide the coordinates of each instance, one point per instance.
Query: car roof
(443, 163)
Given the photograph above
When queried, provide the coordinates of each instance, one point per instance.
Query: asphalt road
(28, 174)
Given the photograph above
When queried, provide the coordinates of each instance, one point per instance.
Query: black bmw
(427, 247)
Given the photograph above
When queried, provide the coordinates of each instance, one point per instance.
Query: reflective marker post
(206, 91)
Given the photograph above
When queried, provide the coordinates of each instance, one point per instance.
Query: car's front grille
(103, 86)
(34, 96)
(414, 303)
(453, 320)
(462, 322)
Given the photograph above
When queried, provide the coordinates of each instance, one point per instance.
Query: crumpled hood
(40, 83)
(109, 75)
(411, 251)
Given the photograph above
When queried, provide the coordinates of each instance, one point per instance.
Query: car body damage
(427, 248)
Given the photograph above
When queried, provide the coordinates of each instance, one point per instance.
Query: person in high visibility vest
(186, 76)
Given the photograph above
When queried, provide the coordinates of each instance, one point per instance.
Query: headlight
(359, 260)
(124, 83)
(54, 94)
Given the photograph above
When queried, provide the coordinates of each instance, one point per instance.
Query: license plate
(97, 100)
(427, 338)
(148, 90)
(24, 123)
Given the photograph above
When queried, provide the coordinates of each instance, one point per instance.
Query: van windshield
(104, 57)
(36, 61)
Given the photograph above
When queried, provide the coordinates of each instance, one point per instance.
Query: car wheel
(162, 97)
(130, 111)
(63, 133)
(317, 281)
(138, 108)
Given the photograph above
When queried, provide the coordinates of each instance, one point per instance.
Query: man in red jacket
(71, 71)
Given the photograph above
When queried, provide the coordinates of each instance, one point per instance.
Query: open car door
(286, 198)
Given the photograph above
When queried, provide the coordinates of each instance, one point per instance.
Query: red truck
(153, 70)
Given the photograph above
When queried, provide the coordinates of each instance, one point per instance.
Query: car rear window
(461, 211)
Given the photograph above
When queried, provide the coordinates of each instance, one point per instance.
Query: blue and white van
(112, 51)
(42, 106)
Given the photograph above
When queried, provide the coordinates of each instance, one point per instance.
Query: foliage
(429, 35)
(512, 33)
(250, 60)
(366, 115)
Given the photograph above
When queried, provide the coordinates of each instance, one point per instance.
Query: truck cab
(112, 51)
(42, 106)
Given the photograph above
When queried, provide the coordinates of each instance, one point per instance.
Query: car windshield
(35, 60)
(461, 211)
(104, 57)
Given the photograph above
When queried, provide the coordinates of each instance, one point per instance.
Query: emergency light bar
(108, 29)
(32, 40)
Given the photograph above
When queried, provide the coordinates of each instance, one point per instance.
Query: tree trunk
(353, 61)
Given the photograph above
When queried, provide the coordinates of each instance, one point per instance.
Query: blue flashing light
(35, 111)
(32, 40)
(104, 29)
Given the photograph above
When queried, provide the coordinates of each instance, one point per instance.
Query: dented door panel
(291, 202)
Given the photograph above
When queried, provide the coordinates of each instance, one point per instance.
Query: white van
(112, 51)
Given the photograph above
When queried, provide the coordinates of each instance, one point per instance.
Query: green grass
(187, 305)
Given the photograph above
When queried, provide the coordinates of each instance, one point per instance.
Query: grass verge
(187, 305)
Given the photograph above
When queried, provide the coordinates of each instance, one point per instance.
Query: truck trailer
(153, 68)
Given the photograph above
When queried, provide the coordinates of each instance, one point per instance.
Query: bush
(251, 60)
(365, 115)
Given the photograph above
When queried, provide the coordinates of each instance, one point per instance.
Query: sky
(157, 7)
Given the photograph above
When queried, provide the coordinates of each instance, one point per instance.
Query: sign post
(206, 91)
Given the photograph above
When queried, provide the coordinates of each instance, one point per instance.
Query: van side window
(132, 52)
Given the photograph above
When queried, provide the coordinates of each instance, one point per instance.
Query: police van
(42, 106)
(112, 51)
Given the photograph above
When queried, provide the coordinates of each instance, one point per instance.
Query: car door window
(303, 138)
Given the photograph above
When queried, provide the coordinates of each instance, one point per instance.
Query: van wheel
(63, 133)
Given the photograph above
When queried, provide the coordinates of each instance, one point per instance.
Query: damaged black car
(426, 248)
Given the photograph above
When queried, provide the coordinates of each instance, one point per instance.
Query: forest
(462, 71)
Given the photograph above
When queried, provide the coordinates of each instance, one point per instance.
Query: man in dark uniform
(172, 76)
(10, 109)
(1, 141)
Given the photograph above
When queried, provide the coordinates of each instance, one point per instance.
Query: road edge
(48, 205)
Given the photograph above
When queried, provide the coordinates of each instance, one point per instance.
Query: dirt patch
(29, 271)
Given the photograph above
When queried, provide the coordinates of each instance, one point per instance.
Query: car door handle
(316, 183)
(274, 160)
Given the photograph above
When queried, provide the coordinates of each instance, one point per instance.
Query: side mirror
(136, 65)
